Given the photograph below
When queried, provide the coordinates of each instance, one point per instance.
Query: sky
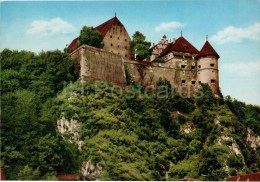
(233, 29)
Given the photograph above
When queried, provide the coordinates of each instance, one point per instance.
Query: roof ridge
(180, 45)
(207, 50)
(106, 26)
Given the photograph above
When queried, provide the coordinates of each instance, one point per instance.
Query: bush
(90, 37)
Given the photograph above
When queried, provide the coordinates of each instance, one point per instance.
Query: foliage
(27, 173)
(127, 75)
(90, 37)
(187, 167)
(140, 46)
(246, 114)
(158, 60)
(30, 147)
(164, 82)
(132, 134)
(205, 99)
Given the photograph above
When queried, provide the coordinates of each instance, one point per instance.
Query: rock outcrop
(89, 171)
(252, 139)
(70, 127)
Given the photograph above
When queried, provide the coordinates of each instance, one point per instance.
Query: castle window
(199, 66)
(199, 82)
(212, 71)
(125, 40)
(211, 65)
(192, 67)
(111, 36)
(193, 82)
(117, 38)
(126, 56)
(111, 45)
(118, 53)
(183, 81)
(125, 47)
(183, 66)
(212, 81)
(118, 46)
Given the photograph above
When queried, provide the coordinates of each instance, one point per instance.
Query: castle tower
(207, 70)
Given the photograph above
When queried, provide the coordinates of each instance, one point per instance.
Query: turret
(208, 67)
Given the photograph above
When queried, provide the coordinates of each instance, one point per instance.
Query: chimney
(173, 40)
(153, 44)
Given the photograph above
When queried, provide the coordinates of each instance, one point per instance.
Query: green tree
(27, 173)
(140, 46)
(205, 98)
(159, 60)
(90, 37)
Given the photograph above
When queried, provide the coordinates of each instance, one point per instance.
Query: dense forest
(135, 137)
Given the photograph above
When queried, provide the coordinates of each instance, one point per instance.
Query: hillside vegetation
(131, 134)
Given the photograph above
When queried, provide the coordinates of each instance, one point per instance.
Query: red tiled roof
(245, 177)
(67, 177)
(180, 45)
(105, 27)
(74, 44)
(208, 50)
(2, 174)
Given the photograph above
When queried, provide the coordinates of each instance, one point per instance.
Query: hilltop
(127, 135)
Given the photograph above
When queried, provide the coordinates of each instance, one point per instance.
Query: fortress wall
(148, 74)
(97, 64)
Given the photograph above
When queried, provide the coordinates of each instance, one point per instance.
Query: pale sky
(233, 28)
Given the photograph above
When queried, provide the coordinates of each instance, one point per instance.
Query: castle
(183, 65)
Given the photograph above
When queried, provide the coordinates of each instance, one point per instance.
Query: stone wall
(183, 79)
(97, 64)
